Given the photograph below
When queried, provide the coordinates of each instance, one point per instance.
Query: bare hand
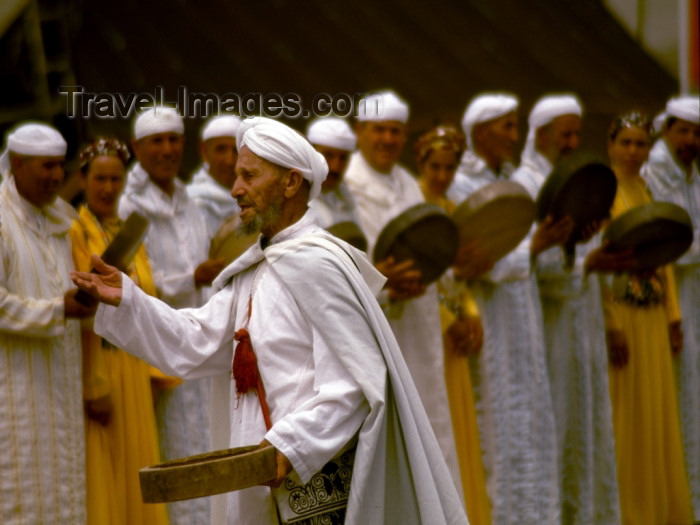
(465, 336)
(618, 351)
(550, 233)
(206, 272)
(73, 308)
(471, 261)
(99, 409)
(675, 334)
(403, 280)
(284, 466)
(104, 284)
(604, 261)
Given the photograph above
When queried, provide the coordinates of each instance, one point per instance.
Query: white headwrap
(33, 139)
(331, 132)
(544, 112)
(385, 105)
(159, 119)
(485, 107)
(221, 126)
(277, 143)
(685, 107)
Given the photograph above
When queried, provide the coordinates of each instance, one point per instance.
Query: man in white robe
(574, 335)
(211, 184)
(177, 243)
(672, 175)
(513, 398)
(42, 451)
(382, 190)
(330, 367)
(333, 138)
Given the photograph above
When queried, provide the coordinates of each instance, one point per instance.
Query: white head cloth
(33, 139)
(277, 143)
(382, 106)
(659, 121)
(544, 112)
(221, 126)
(485, 107)
(332, 132)
(159, 119)
(685, 107)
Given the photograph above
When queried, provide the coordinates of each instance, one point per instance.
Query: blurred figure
(383, 190)
(513, 399)
(437, 155)
(672, 175)
(333, 138)
(211, 184)
(120, 435)
(574, 334)
(644, 332)
(177, 242)
(42, 468)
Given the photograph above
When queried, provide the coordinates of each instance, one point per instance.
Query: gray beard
(261, 220)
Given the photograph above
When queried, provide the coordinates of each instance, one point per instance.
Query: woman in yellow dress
(120, 427)
(437, 156)
(643, 332)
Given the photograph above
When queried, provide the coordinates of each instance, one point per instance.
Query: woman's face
(438, 170)
(103, 185)
(629, 149)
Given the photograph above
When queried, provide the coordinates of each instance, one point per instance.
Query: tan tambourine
(349, 232)
(658, 233)
(423, 233)
(208, 474)
(228, 243)
(495, 218)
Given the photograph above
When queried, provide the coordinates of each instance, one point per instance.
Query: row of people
(528, 380)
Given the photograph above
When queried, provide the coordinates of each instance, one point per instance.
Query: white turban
(544, 112)
(485, 107)
(685, 108)
(277, 143)
(222, 126)
(331, 132)
(159, 119)
(32, 139)
(382, 106)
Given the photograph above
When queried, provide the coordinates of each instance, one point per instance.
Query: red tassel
(245, 364)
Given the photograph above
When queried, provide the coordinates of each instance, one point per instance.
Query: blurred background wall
(615, 54)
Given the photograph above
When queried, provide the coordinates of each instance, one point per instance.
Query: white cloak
(668, 182)
(213, 200)
(42, 451)
(574, 333)
(330, 366)
(416, 322)
(176, 243)
(511, 384)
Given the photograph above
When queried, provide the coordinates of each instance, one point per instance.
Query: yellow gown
(650, 465)
(462, 410)
(128, 442)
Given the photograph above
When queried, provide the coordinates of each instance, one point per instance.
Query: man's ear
(295, 181)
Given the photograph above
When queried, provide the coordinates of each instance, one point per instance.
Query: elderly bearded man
(331, 369)
(42, 452)
(673, 176)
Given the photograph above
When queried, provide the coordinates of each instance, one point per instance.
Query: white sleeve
(187, 343)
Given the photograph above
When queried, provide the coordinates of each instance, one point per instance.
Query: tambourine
(228, 243)
(658, 233)
(208, 474)
(581, 187)
(423, 233)
(496, 218)
(351, 233)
